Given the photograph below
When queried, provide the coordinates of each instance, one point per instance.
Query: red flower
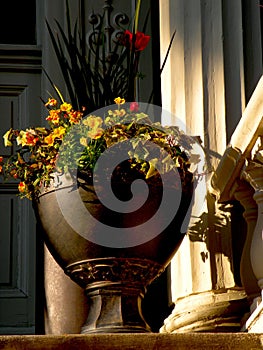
(134, 107)
(31, 140)
(141, 40)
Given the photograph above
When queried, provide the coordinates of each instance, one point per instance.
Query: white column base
(213, 311)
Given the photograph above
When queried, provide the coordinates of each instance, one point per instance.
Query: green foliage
(74, 144)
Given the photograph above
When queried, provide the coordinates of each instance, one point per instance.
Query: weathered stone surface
(193, 341)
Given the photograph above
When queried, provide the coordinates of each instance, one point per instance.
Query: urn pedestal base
(115, 288)
(115, 310)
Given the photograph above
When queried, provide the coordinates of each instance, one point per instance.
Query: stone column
(204, 290)
(196, 83)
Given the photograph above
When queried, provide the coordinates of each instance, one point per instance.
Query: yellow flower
(6, 138)
(117, 112)
(59, 132)
(119, 100)
(66, 107)
(56, 134)
(95, 133)
(83, 141)
(93, 121)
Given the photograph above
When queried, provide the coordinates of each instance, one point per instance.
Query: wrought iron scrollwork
(106, 28)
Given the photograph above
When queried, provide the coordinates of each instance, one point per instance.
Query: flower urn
(114, 255)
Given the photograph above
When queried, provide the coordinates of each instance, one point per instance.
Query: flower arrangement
(41, 151)
(93, 79)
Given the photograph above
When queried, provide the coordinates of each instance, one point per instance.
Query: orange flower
(49, 140)
(21, 187)
(75, 116)
(51, 102)
(1, 169)
(54, 116)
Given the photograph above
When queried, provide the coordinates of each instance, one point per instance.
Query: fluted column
(204, 90)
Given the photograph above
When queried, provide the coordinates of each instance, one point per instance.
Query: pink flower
(134, 107)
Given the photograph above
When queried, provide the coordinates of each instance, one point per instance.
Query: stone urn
(114, 255)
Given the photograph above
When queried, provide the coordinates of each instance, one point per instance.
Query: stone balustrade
(239, 176)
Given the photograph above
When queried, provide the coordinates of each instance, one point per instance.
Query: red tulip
(141, 40)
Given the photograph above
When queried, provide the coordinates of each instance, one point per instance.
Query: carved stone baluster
(253, 173)
(244, 194)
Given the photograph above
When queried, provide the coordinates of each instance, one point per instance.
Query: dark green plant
(93, 76)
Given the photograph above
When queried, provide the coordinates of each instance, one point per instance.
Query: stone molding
(113, 271)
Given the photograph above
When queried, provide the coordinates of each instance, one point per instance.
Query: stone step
(179, 341)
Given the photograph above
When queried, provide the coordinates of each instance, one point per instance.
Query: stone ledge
(179, 341)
